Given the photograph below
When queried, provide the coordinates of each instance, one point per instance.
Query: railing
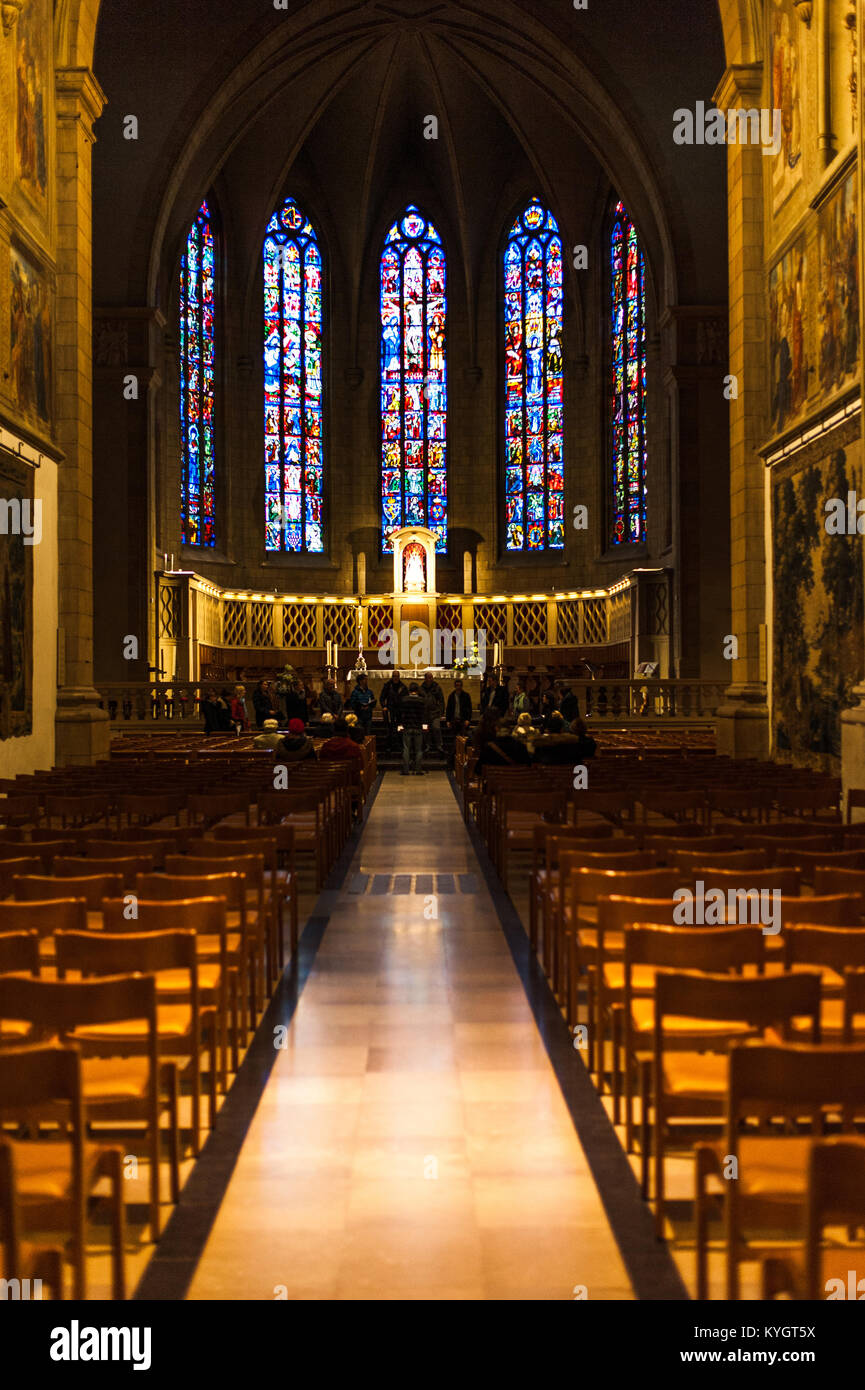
(602, 701)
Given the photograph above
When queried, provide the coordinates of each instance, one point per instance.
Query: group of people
(522, 719)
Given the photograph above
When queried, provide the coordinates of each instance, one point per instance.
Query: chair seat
(712, 1029)
(642, 976)
(114, 1079)
(587, 941)
(173, 1021)
(703, 1075)
(14, 1029)
(177, 981)
(43, 1171)
(831, 1024)
(769, 1166)
(210, 947)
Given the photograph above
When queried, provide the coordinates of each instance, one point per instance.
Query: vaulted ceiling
(328, 101)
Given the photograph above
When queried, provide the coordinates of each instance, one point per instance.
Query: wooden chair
(10, 869)
(79, 809)
(231, 887)
(304, 812)
(51, 1180)
(696, 1082)
(153, 850)
(92, 888)
(122, 1079)
(275, 889)
(206, 808)
(184, 1031)
(286, 872)
(701, 861)
(128, 865)
(32, 1266)
(835, 1196)
(855, 801)
(768, 1080)
(143, 809)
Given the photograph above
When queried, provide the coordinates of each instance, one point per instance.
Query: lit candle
(335, 655)
(329, 650)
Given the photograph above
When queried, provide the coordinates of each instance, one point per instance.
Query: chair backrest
(128, 865)
(274, 806)
(43, 850)
(784, 881)
(712, 949)
(19, 951)
(35, 1076)
(92, 888)
(763, 1002)
(666, 846)
(836, 1197)
(59, 1006)
(833, 910)
(836, 947)
(790, 1075)
(809, 861)
(602, 859)
(619, 910)
(104, 953)
(154, 850)
(204, 915)
(230, 886)
(855, 798)
(832, 879)
(266, 849)
(59, 914)
(587, 885)
(250, 865)
(701, 861)
(207, 807)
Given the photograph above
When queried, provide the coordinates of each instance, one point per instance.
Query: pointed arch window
(413, 306)
(293, 384)
(197, 467)
(627, 381)
(534, 396)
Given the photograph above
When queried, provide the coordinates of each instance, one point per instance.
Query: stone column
(743, 718)
(82, 733)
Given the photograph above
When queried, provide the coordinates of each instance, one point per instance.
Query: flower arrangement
(468, 663)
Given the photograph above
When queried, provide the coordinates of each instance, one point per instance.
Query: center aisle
(412, 1140)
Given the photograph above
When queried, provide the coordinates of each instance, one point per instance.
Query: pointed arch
(197, 365)
(413, 379)
(534, 383)
(293, 384)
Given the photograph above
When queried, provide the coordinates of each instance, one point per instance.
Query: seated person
(341, 747)
(356, 730)
(270, 738)
(558, 746)
(499, 749)
(295, 747)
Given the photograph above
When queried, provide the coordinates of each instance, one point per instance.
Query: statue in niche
(414, 568)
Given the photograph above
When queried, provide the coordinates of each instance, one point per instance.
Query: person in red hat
(295, 747)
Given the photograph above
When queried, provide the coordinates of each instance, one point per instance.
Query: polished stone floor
(412, 1140)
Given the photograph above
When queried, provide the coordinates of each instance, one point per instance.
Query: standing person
(239, 714)
(261, 704)
(210, 713)
(522, 704)
(488, 685)
(435, 708)
(412, 722)
(569, 708)
(330, 700)
(295, 703)
(549, 701)
(223, 712)
(361, 702)
(500, 699)
(392, 696)
(458, 712)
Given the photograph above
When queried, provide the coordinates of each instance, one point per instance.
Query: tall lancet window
(293, 390)
(197, 510)
(534, 442)
(627, 380)
(413, 296)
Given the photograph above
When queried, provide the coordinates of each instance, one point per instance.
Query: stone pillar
(82, 733)
(743, 718)
(698, 417)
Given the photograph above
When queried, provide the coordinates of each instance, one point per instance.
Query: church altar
(444, 676)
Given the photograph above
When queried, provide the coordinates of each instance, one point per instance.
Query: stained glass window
(197, 513)
(413, 379)
(293, 464)
(627, 380)
(534, 477)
